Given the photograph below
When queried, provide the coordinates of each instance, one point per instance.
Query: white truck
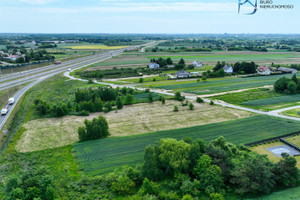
(11, 101)
(4, 110)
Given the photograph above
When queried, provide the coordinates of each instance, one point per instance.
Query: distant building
(1, 52)
(170, 66)
(263, 70)
(287, 70)
(183, 74)
(13, 57)
(153, 65)
(197, 64)
(228, 69)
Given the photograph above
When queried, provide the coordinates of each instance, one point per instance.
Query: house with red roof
(263, 70)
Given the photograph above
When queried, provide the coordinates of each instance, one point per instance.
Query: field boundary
(273, 138)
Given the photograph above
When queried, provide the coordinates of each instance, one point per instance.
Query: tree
(95, 129)
(281, 84)
(169, 61)
(149, 187)
(211, 103)
(204, 78)
(181, 62)
(123, 185)
(191, 106)
(163, 100)
(141, 80)
(199, 100)
(107, 107)
(98, 104)
(175, 109)
(291, 86)
(286, 171)
(253, 175)
(119, 103)
(150, 97)
(20, 60)
(128, 99)
(216, 196)
(294, 78)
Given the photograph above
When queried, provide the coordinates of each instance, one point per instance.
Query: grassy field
(261, 149)
(216, 85)
(287, 194)
(131, 120)
(294, 140)
(6, 94)
(292, 113)
(102, 156)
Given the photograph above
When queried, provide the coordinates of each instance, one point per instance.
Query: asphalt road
(41, 74)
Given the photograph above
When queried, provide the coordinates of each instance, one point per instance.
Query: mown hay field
(104, 155)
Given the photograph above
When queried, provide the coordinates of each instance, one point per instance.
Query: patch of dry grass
(134, 119)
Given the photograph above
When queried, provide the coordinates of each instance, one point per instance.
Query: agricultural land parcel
(131, 120)
(263, 99)
(209, 58)
(102, 156)
(216, 85)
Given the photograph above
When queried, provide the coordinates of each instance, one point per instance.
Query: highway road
(41, 74)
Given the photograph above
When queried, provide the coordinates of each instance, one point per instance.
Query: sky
(144, 16)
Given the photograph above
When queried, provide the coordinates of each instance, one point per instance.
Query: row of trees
(239, 68)
(192, 169)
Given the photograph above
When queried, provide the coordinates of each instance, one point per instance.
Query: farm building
(170, 66)
(12, 57)
(228, 69)
(197, 64)
(183, 74)
(287, 70)
(153, 65)
(263, 70)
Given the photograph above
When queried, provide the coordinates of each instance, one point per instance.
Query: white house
(263, 70)
(197, 64)
(228, 69)
(153, 65)
(183, 74)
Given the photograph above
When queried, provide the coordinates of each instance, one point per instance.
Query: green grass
(231, 58)
(287, 194)
(217, 85)
(254, 94)
(102, 156)
(274, 102)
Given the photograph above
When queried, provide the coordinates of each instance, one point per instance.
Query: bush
(84, 113)
(175, 109)
(123, 185)
(95, 129)
(191, 106)
(211, 103)
(199, 100)
(90, 81)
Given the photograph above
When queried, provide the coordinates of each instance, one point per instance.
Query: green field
(248, 95)
(232, 58)
(274, 102)
(102, 156)
(217, 85)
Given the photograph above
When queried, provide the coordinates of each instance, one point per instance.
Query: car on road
(4, 110)
(69, 69)
(11, 101)
(57, 62)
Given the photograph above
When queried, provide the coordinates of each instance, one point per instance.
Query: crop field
(104, 155)
(131, 120)
(292, 113)
(253, 94)
(216, 85)
(274, 102)
(104, 47)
